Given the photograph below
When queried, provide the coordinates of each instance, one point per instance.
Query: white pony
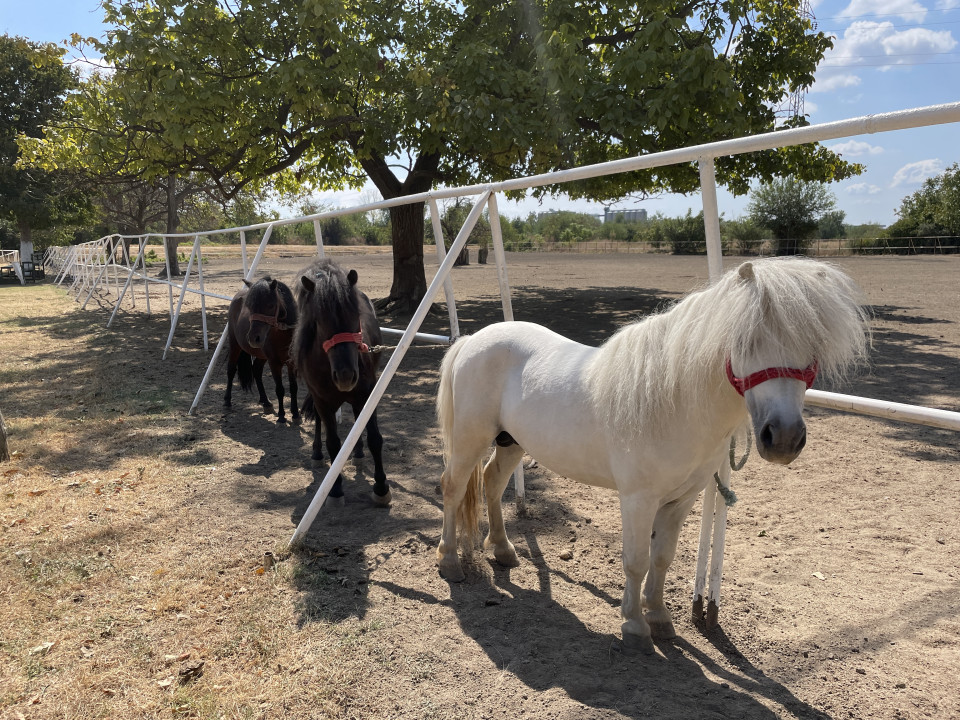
(648, 414)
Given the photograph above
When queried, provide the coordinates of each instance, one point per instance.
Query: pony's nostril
(766, 435)
(801, 441)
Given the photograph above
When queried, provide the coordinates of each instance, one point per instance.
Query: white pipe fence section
(87, 264)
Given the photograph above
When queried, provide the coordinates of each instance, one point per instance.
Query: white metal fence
(103, 261)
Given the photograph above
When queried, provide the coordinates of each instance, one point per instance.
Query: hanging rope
(729, 496)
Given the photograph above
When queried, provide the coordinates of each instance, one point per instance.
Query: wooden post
(4, 450)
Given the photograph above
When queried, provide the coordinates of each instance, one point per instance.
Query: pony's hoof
(505, 556)
(662, 629)
(268, 409)
(317, 462)
(637, 643)
(358, 453)
(382, 500)
(297, 420)
(452, 572)
(335, 502)
(281, 421)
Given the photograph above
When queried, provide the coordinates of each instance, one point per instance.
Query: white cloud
(907, 9)
(867, 43)
(856, 148)
(916, 172)
(835, 82)
(948, 4)
(863, 189)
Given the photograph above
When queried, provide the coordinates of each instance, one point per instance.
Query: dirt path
(841, 587)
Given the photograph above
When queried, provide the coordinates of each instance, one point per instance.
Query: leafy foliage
(33, 85)
(792, 210)
(465, 92)
(934, 209)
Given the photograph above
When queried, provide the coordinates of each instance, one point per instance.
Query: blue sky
(888, 55)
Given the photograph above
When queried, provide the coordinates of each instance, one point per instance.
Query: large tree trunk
(409, 278)
(4, 450)
(406, 232)
(170, 244)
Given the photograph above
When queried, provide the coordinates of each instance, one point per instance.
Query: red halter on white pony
(648, 414)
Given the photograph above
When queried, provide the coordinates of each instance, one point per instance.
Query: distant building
(627, 215)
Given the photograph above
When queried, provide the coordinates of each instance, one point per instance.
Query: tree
(791, 209)
(831, 225)
(416, 94)
(33, 85)
(934, 209)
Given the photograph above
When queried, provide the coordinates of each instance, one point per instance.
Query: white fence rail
(90, 266)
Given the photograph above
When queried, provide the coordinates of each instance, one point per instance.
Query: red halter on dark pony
(356, 337)
(741, 385)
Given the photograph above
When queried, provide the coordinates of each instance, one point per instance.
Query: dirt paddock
(133, 579)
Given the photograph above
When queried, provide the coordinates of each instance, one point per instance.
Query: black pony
(331, 350)
(262, 317)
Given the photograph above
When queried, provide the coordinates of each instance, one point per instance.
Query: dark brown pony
(262, 318)
(331, 350)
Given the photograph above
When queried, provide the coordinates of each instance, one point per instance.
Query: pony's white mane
(790, 307)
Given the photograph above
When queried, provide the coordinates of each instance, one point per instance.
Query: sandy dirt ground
(841, 590)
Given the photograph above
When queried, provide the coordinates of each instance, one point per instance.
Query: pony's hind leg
(496, 475)
(460, 482)
(663, 547)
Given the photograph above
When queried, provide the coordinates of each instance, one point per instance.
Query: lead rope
(729, 496)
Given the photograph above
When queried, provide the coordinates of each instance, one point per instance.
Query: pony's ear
(746, 271)
(307, 284)
(273, 284)
(352, 277)
(247, 283)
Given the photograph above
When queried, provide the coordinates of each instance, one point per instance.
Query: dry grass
(111, 597)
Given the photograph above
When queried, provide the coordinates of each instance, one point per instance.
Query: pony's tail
(245, 371)
(307, 410)
(468, 514)
(445, 398)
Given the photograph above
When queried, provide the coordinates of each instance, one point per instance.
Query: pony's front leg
(637, 512)
(496, 475)
(333, 448)
(663, 548)
(258, 376)
(277, 370)
(381, 490)
(294, 408)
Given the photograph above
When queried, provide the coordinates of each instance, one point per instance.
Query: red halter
(271, 320)
(356, 337)
(741, 385)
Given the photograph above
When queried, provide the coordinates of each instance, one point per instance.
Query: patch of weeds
(34, 667)
(53, 572)
(193, 702)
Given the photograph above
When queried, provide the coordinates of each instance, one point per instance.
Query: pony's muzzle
(345, 379)
(781, 442)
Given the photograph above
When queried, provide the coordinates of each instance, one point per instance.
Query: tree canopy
(34, 83)
(792, 210)
(416, 94)
(934, 209)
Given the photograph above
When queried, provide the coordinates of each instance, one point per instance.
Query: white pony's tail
(468, 514)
